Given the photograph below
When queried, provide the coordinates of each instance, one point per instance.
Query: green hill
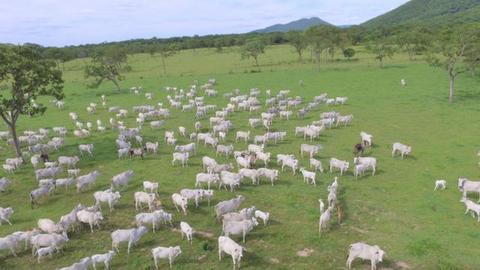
(430, 12)
(301, 24)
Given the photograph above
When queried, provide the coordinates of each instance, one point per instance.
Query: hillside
(430, 12)
(301, 24)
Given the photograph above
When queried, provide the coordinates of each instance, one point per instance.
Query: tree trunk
(381, 62)
(256, 61)
(164, 66)
(114, 80)
(452, 88)
(16, 145)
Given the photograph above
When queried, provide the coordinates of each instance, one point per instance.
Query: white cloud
(60, 22)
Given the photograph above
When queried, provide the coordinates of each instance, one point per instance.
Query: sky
(74, 22)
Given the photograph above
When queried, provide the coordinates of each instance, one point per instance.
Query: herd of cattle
(50, 236)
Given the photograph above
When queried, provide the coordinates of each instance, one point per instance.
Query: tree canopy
(107, 64)
(25, 75)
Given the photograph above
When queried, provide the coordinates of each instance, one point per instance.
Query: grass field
(396, 209)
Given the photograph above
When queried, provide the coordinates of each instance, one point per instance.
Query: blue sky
(72, 22)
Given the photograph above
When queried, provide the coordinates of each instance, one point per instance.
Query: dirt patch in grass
(306, 252)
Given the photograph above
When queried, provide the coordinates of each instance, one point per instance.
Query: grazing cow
(182, 157)
(43, 252)
(316, 164)
(292, 163)
(179, 200)
(242, 135)
(465, 186)
(324, 219)
(4, 184)
(366, 139)
(472, 207)
(132, 236)
(365, 252)
(169, 253)
(5, 214)
(48, 226)
(225, 207)
(105, 258)
(46, 240)
(250, 173)
(239, 227)
(40, 192)
(153, 147)
(91, 218)
(107, 196)
(224, 149)
(153, 218)
(86, 180)
(403, 149)
(340, 164)
(368, 162)
(121, 179)
(268, 173)
(141, 197)
(187, 148)
(151, 187)
(229, 179)
(88, 148)
(310, 149)
(230, 247)
(440, 184)
(206, 178)
(265, 157)
(308, 176)
(186, 231)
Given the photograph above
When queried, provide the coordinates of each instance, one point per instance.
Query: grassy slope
(430, 11)
(396, 209)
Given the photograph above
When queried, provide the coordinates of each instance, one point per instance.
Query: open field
(396, 209)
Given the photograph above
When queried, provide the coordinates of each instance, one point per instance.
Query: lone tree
(457, 51)
(317, 37)
(252, 49)
(25, 75)
(298, 41)
(107, 64)
(349, 53)
(165, 51)
(381, 49)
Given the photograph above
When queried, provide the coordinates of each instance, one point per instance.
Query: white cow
(169, 253)
(230, 247)
(151, 187)
(368, 162)
(339, 164)
(105, 258)
(132, 236)
(308, 176)
(440, 184)
(365, 252)
(182, 157)
(472, 207)
(179, 200)
(268, 173)
(206, 178)
(366, 138)
(90, 218)
(88, 148)
(403, 149)
(107, 196)
(5, 214)
(141, 197)
(186, 231)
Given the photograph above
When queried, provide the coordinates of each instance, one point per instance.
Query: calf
(440, 184)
